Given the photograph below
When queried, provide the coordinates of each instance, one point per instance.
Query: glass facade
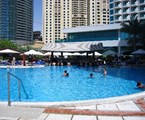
(96, 36)
(4, 19)
(12, 19)
(7, 19)
(16, 20)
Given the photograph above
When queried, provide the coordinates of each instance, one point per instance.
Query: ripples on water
(49, 84)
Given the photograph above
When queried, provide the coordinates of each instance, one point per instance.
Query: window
(111, 5)
(111, 18)
(111, 12)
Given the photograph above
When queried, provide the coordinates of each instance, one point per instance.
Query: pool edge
(78, 103)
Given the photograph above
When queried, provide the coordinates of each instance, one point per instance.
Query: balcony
(134, 10)
(126, 4)
(127, 11)
(133, 15)
(142, 11)
(142, 15)
(126, 17)
(136, 3)
(118, 18)
(142, 8)
(118, 5)
(142, 1)
(118, 12)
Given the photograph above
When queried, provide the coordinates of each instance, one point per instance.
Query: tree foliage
(7, 44)
(25, 48)
(136, 31)
(142, 34)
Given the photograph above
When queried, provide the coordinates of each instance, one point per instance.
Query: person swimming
(65, 73)
(91, 75)
(140, 85)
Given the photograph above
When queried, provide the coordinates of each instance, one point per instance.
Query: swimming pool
(47, 84)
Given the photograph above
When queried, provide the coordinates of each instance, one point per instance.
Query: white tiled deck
(128, 106)
(36, 113)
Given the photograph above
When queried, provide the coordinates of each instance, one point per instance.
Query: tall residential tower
(60, 14)
(99, 12)
(16, 20)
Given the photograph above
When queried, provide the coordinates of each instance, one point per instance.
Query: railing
(20, 83)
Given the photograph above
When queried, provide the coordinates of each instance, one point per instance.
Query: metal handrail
(19, 82)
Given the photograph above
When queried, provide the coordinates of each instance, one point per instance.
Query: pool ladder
(20, 83)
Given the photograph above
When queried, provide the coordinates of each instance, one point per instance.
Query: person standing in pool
(104, 71)
(13, 61)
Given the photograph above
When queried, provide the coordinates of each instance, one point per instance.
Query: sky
(37, 19)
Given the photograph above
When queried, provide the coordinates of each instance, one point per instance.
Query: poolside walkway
(126, 110)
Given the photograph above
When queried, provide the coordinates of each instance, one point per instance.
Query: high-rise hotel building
(60, 14)
(99, 12)
(16, 20)
(124, 10)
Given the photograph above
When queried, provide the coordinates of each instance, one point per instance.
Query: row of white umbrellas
(33, 52)
(72, 54)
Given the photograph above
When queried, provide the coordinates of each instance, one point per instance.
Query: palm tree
(132, 27)
(142, 34)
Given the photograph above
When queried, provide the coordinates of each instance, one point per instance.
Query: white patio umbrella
(48, 53)
(96, 54)
(77, 54)
(8, 51)
(109, 52)
(31, 52)
(57, 53)
(67, 54)
(39, 53)
(139, 52)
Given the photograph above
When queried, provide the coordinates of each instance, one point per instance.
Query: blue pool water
(47, 84)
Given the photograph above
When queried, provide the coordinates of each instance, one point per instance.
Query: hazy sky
(37, 20)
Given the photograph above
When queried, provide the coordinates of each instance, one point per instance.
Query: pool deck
(130, 107)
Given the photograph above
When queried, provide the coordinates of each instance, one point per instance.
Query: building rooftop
(92, 28)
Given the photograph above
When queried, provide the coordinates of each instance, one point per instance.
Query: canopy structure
(139, 52)
(8, 51)
(73, 47)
